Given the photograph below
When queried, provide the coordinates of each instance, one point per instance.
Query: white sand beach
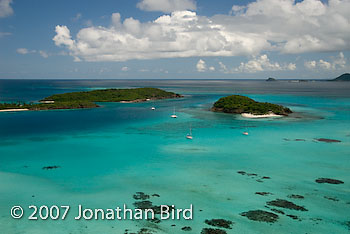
(252, 116)
(12, 110)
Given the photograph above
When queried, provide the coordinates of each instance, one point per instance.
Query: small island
(88, 99)
(247, 107)
(271, 79)
(344, 77)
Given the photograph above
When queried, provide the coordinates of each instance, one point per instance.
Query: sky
(174, 39)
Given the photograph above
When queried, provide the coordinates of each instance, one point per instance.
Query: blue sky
(174, 39)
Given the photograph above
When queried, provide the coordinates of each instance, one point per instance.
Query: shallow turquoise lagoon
(106, 155)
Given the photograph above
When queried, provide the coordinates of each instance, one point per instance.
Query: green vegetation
(50, 106)
(238, 104)
(271, 79)
(77, 100)
(113, 95)
(344, 77)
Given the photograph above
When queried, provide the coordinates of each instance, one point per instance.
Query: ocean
(102, 157)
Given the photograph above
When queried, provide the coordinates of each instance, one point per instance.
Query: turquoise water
(108, 154)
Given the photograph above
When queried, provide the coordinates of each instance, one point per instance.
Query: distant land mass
(344, 77)
(237, 104)
(88, 99)
(271, 79)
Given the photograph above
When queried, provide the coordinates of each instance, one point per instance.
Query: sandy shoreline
(13, 110)
(252, 116)
(134, 101)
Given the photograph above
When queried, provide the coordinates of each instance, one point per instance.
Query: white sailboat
(246, 129)
(189, 136)
(153, 107)
(173, 115)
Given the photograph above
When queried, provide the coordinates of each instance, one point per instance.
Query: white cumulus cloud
(285, 26)
(5, 8)
(166, 6)
(223, 67)
(263, 63)
(124, 69)
(310, 64)
(338, 62)
(324, 64)
(258, 64)
(291, 66)
(22, 51)
(201, 66)
(43, 54)
(63, 37)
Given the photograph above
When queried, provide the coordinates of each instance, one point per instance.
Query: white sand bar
(12, 110)
(252, 116)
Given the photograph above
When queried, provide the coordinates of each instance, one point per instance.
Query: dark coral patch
(141, 231)
(327, 140)
(219, 223)
(145, 231)
(186, 229)
(51, 167)
(293, 216)
(316, 220)
(263, 193)
(143, 205)
(155, 220)
(331, 198)
(298, 139)
(212, 231)
(254, 176)
(347, 224)
(277, 211)
(285, 204)
(296, 196)
(328, 181)
(140, 196)
(261, 216)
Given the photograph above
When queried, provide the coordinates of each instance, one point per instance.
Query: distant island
(271, 79)
(344, 77)
(247, 107)
(88, 99)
